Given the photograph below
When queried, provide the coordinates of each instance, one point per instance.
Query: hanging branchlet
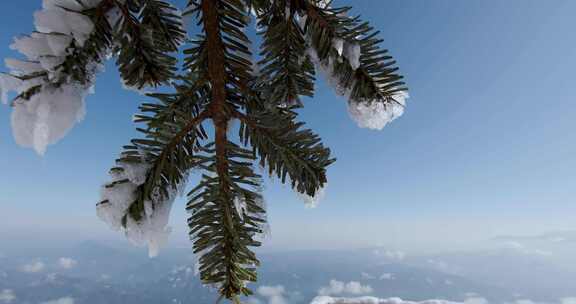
(165, 156)
(287, 150)
(166, 22)
(348, 51)
(146, 34)
(60, 52)
(224, 223)
(227, 68)
(152, 170)
(352, 46)
(286, 70)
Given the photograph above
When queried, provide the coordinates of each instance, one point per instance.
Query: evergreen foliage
(220, 84)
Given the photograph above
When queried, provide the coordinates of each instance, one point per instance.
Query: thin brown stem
(220, 116)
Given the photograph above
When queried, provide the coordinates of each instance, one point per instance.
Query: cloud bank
(67, 263)
(65, 300)
(274, 294)
(372, 300)
(33, 267)
(7, 296)
(338, 287)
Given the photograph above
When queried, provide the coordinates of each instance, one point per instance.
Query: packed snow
(152, 229)
(377, 114)
(312, 202)
(338, 44)
(243, 211)
(324, 3)
(73, 5)
(241, 207)
(19, 66)
(8, 83)
(371, 114)
(352, 52)
(58, 20)
(48, 115)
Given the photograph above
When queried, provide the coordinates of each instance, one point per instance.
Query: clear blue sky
(487, 145)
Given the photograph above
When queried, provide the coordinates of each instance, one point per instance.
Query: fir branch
(370, 77)
(286, 73)
(166, 22)
(286, 149)
(168, 147)
(228, 72)
(226, 214)
(144, 43)
(79, 65)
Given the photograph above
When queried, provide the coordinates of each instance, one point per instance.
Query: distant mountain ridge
(106, 274)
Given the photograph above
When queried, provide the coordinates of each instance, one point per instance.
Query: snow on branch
(122, 191)
(346, 51)
(48, 116)
(375, 114)
(312, 202)
(53, 80)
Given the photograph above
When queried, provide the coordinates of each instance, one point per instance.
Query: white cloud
(384, 276)
(67, 263)
(367, 276)
(395, 255)
(253, 301)
(371, 300)
(553, 236)
(65, 300)
(561, 301)
(7, 296)
(516, 246)
(32, 267)
(337, 288)
(476, 300)
(444, 267)
(274, 294)
(51, 277)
